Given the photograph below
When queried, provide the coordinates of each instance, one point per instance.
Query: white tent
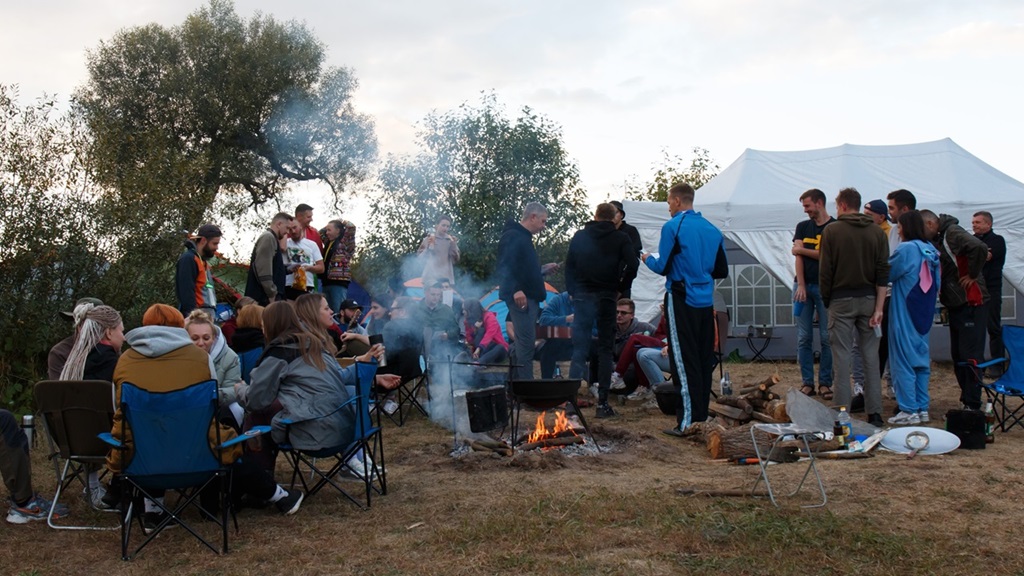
(755, 201)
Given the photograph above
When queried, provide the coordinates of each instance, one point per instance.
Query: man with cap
(879, 212)
(193, 280)
(634, 238)
(354, 338)
(58, 355)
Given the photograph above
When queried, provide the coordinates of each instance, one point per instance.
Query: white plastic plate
(939, 441)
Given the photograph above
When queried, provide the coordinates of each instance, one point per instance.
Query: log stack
(728, 436)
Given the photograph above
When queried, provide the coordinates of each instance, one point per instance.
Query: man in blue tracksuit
(691, 256)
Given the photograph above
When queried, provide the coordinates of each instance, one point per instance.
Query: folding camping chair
(74, 412)
(1010, 384)
(169, 449)
(408, 395)
(362, 457)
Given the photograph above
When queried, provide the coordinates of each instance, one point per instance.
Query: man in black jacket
(981, 223)
(600, 257)
(521, 283)
(634, 238)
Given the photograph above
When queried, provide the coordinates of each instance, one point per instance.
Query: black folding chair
(73, 413)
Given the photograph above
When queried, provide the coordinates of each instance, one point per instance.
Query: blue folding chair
(167, 447)
(1010, 384)
(247, 360)
(362, 457)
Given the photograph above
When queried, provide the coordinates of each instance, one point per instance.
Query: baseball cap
(878, 207)
(209, 231)
(87, 300)
(351, 305)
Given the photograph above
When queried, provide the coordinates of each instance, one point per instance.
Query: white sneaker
(617, 382)
(641, 393)
(905, 419)
(594, 391)
(923, 417)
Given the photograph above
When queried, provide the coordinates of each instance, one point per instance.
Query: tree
(671, 171)
(481, 168)
(218, 105)
(51, 250)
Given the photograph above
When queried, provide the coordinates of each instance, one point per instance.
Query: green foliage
(672, 170)
(49, 253)
(218, 105)
(481, 168)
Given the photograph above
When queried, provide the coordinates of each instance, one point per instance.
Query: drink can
(28, 425)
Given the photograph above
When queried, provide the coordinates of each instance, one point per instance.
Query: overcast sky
(626, 79)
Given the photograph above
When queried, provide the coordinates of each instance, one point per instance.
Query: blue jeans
(805, 339)
(335, 294)
(594, 308)
(653, 364)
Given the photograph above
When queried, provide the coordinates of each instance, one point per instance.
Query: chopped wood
(552, 442)
(736, 402)
(758, 401)
(479, 447)
(729, 412)
(768, 382)
(762, 417)
(777, 409)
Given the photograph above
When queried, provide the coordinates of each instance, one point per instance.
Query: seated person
(483, 334)
(636, 344)
(440, 329)
(626, 325)
(163, 358)
(210, 339)
(353, 339)
(403, 341)
(58, 355)
(228, 327)
(380, 314)
(248, 341)
(298, 379)
(16, 470)
(557, 312)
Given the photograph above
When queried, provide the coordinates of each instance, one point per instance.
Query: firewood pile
(728, 435)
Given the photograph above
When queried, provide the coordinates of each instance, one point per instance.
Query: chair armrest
(109, 439)
(992, 362)
(290, 422)
(254, 432)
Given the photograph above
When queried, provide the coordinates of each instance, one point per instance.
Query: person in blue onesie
(914, 274)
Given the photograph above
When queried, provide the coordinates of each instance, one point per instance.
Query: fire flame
(541, 432)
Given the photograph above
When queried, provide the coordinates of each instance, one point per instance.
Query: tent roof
(755, 201)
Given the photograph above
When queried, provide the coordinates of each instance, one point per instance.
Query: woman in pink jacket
(483, 334)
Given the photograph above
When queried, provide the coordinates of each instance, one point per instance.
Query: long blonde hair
(95, 321)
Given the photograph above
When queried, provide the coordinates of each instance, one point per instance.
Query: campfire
(561, 433)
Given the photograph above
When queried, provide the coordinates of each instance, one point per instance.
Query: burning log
(552, 442)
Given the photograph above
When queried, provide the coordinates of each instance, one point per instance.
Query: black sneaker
(876, 420)
(290, 503)
(604, 411)
(151, 520)
(857, 404)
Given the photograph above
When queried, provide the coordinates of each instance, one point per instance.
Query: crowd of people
(870, 285)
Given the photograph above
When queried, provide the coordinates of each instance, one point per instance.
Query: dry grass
(617, 513)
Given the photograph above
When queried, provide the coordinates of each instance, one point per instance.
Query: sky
(626, 80)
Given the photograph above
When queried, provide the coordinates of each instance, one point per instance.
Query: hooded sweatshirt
(600, 259)
(960, 254)
(854, 258)
(226, 365)
(163, 359)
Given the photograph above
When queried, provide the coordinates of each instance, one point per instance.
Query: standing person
(854, 274)
(993, 274)
(193, 279)
(915, 278)
(304, 262)
(599, 258)
(439, 252)
(634, 238)
(807, 295)
(691, 256)
(962, 257)
(339, 249)
(900, 202)
(304, 215)
(521, 282)
(265, 283)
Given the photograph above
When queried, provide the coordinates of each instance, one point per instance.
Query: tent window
(1009, 311)
(753, 296)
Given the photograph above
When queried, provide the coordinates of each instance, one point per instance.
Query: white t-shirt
(302, 252)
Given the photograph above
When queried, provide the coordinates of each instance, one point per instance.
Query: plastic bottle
(838, 433)
(726, 385)
(990, 424)
(845, 422)
(558, 373)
